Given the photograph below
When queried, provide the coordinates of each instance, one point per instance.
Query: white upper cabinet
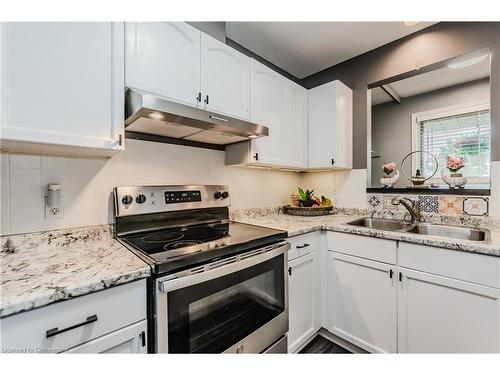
(179, 62)
(225, 78)
(330, 126)
(164, 58)
(296, 135)
(281, 105)
(62, 87)
(269, 92)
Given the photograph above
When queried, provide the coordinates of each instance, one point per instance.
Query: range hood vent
(153, 115)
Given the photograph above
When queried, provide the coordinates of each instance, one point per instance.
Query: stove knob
(225, 194)
(141, 198)
(217, 195)
(127, 199)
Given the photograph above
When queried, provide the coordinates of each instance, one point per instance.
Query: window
(464, 131)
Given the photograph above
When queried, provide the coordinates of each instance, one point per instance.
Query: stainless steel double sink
(435, 230)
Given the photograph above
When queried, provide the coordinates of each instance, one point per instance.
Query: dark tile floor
(321, 345)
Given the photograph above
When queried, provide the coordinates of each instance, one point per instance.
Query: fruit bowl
(307, 211)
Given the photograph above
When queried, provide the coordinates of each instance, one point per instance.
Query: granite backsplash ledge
(391, 212)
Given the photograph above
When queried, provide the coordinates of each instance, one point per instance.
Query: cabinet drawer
(114, 308)
(362, 246)
(131, 339)
(304, 244)
(475, 268)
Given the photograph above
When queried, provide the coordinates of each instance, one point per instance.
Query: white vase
(454, 180)
(389, 181)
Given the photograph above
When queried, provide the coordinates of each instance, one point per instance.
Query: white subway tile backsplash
(49, 162)
(4, 201)
(87, 183)
(4, 161)
(25, 200)
(19, 161)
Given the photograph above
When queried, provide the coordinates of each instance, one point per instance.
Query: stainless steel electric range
(217, 286)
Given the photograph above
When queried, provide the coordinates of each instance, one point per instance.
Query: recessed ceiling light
(411, 23)
(468, 61)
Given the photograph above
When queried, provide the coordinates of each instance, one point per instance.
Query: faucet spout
(411, 206)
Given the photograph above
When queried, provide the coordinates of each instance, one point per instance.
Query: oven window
(212, 316)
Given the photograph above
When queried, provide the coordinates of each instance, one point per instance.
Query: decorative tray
(307, 211)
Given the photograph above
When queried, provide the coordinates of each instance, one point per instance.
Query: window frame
(453, 110)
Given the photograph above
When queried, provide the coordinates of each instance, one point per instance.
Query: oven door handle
(240, 262)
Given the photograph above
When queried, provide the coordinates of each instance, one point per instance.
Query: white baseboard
(341, 342)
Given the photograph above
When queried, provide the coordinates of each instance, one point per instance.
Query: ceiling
(304, 48)
(433, 80)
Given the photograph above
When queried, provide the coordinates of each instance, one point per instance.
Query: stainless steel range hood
(150, 114)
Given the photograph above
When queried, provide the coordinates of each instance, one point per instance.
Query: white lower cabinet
(438, 314)
(361, 298)
(110, 320)
(304, 299)
(432, 300)
(131, 339)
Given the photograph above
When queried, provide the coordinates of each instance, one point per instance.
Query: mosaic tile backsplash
(449, 205)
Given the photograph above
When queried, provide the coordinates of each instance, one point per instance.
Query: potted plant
(307, 198)
(454, 179)
(389, 180)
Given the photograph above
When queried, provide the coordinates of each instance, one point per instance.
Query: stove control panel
(221, 195)
(139, 200)
(182, 196)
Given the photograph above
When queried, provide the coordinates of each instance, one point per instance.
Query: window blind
(465, 135)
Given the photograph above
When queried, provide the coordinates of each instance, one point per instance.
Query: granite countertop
(41, 268)
(296, 225)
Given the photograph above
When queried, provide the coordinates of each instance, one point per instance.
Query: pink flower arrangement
(389, 168)
(454, 164)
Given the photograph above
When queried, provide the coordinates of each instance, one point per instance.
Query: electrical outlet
(53, 213)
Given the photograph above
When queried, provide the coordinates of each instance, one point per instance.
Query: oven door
(236, 305)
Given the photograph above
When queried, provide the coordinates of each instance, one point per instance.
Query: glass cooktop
(173, 249)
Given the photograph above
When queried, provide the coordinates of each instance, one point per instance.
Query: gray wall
(426, 47)
(218, 31)
(391, 122)
(429, 46)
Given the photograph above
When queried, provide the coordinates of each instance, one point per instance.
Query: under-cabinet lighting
(464, 62)
(411, 23)
(258, 166)
(155, 115)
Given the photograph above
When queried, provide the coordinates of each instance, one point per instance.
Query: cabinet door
(304, 299)
(62, 85)
(438, 314)
(361, 302)
(225, 78)
(296, 142)
(164, 58)
(330, 126)
(269, 99)
(131, 339)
